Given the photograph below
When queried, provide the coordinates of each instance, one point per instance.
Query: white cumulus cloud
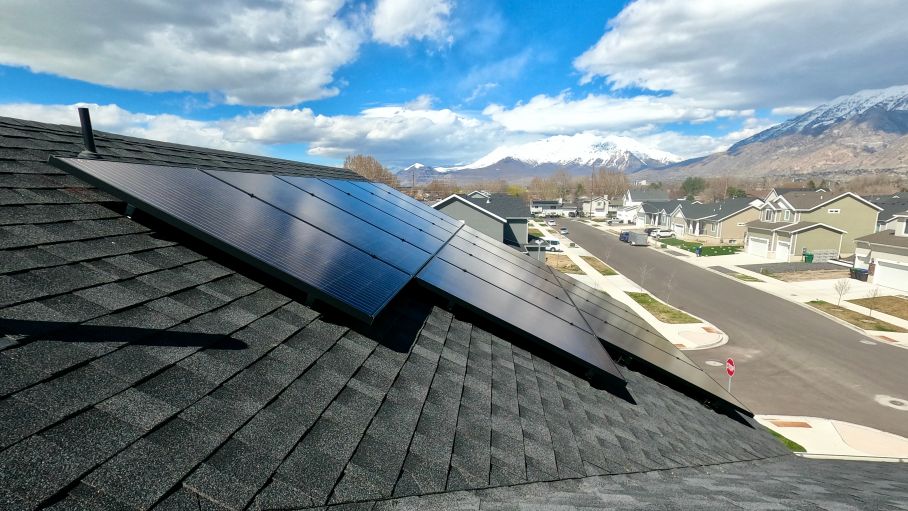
(757, 53)
(279, 52)
(395, 22)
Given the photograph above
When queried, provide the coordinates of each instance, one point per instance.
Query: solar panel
(461, 272)
(350, 277)
(618, 326)
(372, 194)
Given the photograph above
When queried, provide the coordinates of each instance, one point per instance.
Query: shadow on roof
(74, 332)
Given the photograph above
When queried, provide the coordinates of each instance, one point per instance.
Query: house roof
(714, 210)
(892, 205)
(807, 201)
(886, 237)
(804, 226)
(142, 367)
(648, 195)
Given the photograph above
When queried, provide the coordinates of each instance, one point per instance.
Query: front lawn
(855, 318)
(746, 278)
(599, 265)
(562, 263)
(664, 313)
(535, 232)
(708, 250)
(791, 444)
(893, 305)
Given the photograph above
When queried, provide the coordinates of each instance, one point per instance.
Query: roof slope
(648, 195)
(886, 237)
(142, 369)
(501, 204)
(892, 205)
(714, 210)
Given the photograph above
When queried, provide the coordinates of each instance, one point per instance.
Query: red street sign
(730, 367)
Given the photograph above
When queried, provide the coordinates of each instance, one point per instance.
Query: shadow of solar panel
(465, 274)
(618, 326)
(252, 230)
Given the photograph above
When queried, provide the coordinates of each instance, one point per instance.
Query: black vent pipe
(88, 136)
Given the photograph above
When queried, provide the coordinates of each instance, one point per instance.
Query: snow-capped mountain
(578, 154)
(865, 132)
(843, 108)
(580, 150)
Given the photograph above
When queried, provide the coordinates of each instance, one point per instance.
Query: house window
(786, 215)
(833, 211)
(712, 228)
(767, 215)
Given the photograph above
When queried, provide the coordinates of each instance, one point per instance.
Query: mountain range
(865, 132)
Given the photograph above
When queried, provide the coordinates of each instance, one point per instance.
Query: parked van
(552, 244)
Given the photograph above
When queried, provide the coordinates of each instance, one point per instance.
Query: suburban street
(790, 360)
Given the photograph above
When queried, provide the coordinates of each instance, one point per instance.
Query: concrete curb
(833, 439)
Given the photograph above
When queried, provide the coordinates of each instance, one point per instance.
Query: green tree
(735, 192)
(693, 185)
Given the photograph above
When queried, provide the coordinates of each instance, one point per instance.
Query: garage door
(678, 229)
(783, 250)
(757, 246)
(891, 275)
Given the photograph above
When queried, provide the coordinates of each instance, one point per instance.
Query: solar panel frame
(362, 295)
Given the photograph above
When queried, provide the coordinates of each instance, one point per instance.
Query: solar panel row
(356, 244)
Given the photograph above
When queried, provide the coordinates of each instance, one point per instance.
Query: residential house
(596, 207)
(820, 222)
(778, 191)
(544, 207)
(630, 211)
(146, 368)
(500, 216)
(892, 205)
(885, 254)
(716, 222)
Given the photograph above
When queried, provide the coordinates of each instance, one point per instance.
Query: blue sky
(440, 81)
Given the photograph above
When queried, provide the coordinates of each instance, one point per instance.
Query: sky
(441, 82)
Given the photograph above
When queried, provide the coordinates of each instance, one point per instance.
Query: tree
(735, 192)
(693, 185)
(841, 287)
(563, 182)
(608, 182)
(871, 299)
(371, 169)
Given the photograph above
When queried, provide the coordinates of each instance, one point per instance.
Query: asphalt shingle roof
(648, 195)
(887, 237)
(142, 369)
(502, 204)
(892, 205)
(714, 210)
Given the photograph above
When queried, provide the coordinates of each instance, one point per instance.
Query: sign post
(730, 369)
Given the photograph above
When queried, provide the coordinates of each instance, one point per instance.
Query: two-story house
(885, 254)
(596, 207)
(633, 201)
(822, 223)
(893, 205)
(721, 222)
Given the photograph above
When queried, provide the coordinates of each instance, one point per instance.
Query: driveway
(790, 360)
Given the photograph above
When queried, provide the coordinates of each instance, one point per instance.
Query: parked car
(564, 230)
(624, 236)
(552, 244)
(649, 230)
(663, 233)
(551, 221)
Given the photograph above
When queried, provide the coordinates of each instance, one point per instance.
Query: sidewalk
(832, 439)
(686, 336)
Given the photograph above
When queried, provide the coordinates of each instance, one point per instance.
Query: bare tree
(371, 169)
(841, 287)
(871, 299)
(668, 286)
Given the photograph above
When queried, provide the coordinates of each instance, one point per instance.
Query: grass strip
(663, 312)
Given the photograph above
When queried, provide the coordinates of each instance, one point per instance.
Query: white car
(551, 221)
(564, 231)
(662, 233)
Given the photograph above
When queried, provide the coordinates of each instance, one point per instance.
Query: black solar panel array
(356, 244)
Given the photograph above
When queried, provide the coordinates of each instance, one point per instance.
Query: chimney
(88, 136)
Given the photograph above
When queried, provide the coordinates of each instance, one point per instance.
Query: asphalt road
(789, 360)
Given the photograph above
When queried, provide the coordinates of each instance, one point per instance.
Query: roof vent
(88, 136)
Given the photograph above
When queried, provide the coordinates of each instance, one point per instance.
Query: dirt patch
(893, 305)
(562, 263)
(801, 276)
